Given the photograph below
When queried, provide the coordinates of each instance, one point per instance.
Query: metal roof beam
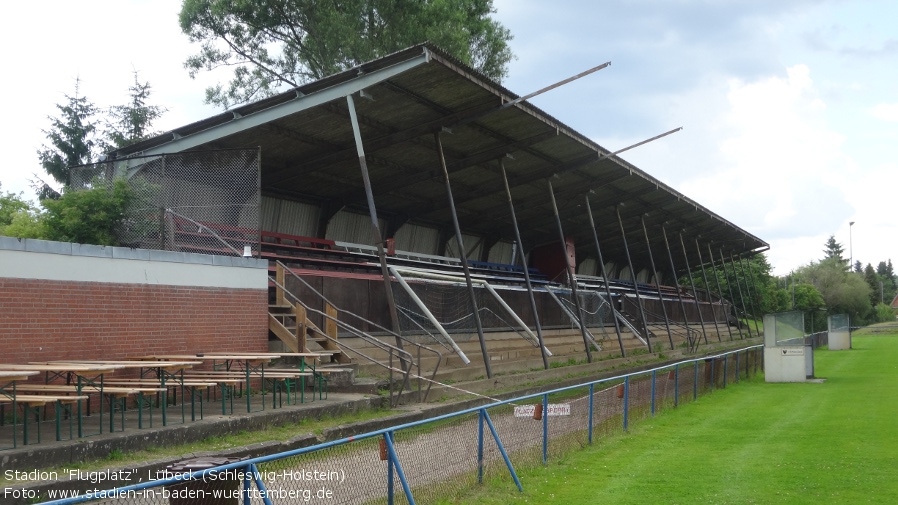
(300, 103)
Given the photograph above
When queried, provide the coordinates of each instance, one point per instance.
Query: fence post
(480, 447)
(626, 401)
(726, 360)
(253, 470)
(589, 419)
(390, 490)
(246, 486)
(677, 385)
(545, 429)
(514, 475)
(653, 393)
(394, 459)
(695, 382)
(737, 366)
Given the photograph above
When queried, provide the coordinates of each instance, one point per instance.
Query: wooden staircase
(290, 323)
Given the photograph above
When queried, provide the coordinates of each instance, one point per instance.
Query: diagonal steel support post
(648, 245)
(741, 297)
(463, 256)
(645, 323)
(720, 291)
(375, 229)
(595, 236)
(520, 246)
(673, 270)
(698, 307)
(570, 275)
(751, 298)
(701, 263)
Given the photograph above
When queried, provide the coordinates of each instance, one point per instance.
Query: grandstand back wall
(71, 301)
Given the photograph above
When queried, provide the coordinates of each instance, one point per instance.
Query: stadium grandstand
(411, 204)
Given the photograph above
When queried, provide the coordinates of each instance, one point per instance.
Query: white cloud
(885, 111)
(782, 170)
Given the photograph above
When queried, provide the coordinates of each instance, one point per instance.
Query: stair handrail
(366, 336)
(201, 227)
(359, 333)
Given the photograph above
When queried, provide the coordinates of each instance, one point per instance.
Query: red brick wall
(51, 320)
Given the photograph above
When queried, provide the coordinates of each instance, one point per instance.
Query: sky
(789, 108)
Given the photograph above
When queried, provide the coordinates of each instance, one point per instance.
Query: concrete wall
(72, 301)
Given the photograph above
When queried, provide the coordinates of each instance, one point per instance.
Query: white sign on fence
(793, 352)
(555, 409)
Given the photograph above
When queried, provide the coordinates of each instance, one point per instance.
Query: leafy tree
(18, 218)
(276, 43)
(89, 216)
(843, 291)
(10, 205)
(71, 139)
(884, 313)
(132, 122)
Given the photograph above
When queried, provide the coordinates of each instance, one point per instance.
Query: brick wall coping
(43, 259)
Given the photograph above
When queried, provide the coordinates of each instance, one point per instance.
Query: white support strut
(429, 315)
(489, 288)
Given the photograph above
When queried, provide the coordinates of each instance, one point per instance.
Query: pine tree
(133, 122)
(833, 249)
(71, 139)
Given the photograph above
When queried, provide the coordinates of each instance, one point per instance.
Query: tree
(884, 313)
(72, 142)
(834, 250)
(843, 291)
(872, 280)
(10, 205)
(276, 43)
(132, 122)
(90, 216)
(18, 218)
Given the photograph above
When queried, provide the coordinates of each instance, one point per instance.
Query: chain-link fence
(201, 201)
(425, 461)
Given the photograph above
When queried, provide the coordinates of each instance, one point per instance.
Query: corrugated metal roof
(309, 154)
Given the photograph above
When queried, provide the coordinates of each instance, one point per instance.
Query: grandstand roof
(309, 154)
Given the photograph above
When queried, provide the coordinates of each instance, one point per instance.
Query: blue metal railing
(446, 443)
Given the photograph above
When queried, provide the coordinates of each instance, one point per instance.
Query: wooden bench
(194, 387)
(31, 404)
(276, 377)
(117, 396)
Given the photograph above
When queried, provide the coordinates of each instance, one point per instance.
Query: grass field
(835, 442)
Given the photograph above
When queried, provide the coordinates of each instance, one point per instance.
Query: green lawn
(835, 442)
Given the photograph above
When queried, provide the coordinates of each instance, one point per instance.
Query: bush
(18, 218)
(89, 216)
(884, 313)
